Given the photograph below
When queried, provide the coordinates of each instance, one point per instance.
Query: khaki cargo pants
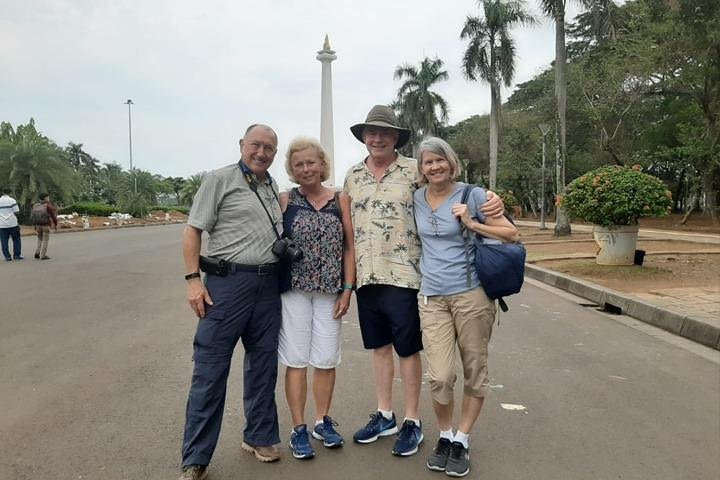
(464, 319)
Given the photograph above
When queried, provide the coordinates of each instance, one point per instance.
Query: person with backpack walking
(9, 227)
(43, 216)
(455, 312)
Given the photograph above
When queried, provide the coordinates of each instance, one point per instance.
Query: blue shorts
(387, 315)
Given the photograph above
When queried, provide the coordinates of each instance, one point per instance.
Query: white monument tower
(326, 56)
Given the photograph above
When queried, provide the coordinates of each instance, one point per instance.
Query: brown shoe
(194, 472)
(265, 453)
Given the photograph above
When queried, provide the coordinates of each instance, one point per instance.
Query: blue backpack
(500, 268)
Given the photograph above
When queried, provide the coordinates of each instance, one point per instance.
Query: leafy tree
(467, 140)
(112, 182)
(603, 21)
(146, 183)
(176, 185)
(689, 50)
(30, 163)
(191, 187)
(418, 105)
(88, 169)
(490, 56)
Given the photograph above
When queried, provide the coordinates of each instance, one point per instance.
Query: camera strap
(252, 183)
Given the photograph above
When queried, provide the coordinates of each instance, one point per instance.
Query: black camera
(287, 251)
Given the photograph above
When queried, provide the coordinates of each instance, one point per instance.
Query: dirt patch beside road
(155, 217)
(657, 272)
(667, 264)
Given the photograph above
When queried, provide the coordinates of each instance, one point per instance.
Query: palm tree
(490, 56)
(31, 163)
(176, 186)
(603, 18)
(89, 169)
(191, 187)
(418, 105)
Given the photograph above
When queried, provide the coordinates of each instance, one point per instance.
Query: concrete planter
(616, 244)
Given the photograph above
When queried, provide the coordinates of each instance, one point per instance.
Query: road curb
(683, 325)
(105, 227)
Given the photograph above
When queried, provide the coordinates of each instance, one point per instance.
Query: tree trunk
(690, 208)
(494, 132)
(709, 207)
(679, 191)
(562, 222)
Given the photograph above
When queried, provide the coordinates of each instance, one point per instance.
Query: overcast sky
(200, 72)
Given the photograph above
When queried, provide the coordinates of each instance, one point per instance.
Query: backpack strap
(337, 204)
(466, 234)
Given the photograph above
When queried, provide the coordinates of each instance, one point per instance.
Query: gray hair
(260, 125)
(440, 147)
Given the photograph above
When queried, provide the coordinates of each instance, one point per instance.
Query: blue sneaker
(409, 438)
(300, 442)
(378, 426)
(326, 432)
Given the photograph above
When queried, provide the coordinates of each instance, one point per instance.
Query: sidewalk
(692, 312)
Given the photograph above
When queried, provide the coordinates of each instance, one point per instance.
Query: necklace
(317, 204)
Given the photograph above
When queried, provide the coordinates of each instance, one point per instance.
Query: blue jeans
(245, 306)
(5, 235)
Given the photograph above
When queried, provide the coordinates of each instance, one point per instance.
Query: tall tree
(602, 16)
(418, 105)
(490, 56)
(30, 163)
(555, 9)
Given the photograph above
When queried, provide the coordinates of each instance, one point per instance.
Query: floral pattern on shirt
(387, 246)
(319, 234)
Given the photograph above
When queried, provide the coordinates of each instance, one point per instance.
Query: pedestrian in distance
(387, 252)
(9, 227)
(455, 313)
(44, 217)
(317, 220)
(238, 207)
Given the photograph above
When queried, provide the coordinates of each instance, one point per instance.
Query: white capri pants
(309, 334)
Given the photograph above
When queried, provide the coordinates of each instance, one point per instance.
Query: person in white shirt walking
(9, 227)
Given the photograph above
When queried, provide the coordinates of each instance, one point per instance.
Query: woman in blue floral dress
(318, 220)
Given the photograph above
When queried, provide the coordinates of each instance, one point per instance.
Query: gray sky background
(200, 72)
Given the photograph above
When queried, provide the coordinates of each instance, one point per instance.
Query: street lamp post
(132, 171)
(545, 129)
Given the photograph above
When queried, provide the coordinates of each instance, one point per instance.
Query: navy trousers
(245, 306)
(5, 235)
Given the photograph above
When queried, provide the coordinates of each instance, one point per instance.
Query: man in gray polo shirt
(237, 206)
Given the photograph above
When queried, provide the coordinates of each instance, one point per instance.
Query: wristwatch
(190, 276)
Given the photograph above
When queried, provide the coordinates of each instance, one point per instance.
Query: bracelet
(190, 276)
(348, 286)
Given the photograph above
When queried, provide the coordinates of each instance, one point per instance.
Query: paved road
(96, 359)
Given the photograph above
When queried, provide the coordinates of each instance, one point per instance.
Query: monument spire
(326, 56)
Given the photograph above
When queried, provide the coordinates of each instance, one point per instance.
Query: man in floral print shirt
(387, 252)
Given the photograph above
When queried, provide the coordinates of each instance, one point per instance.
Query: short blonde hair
(299, 144)
(440, 147)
